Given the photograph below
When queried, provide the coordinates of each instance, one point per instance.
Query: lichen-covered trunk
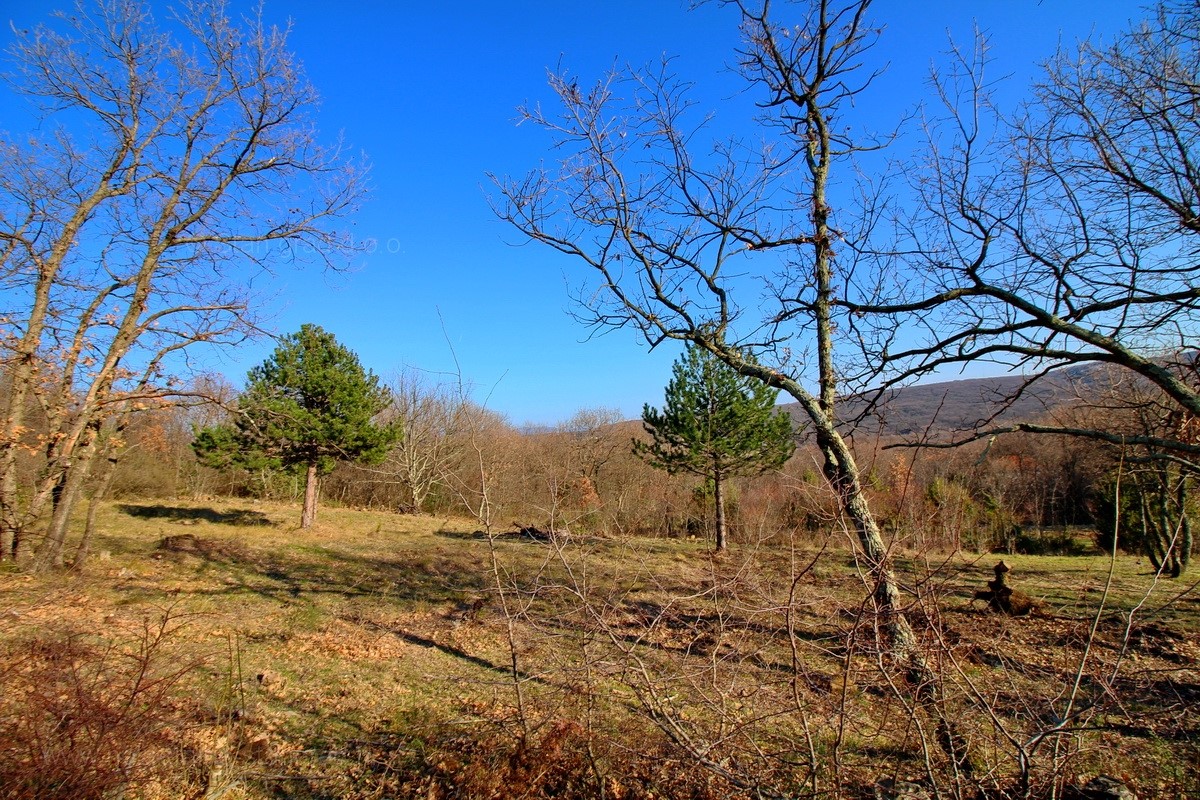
(905, 650)
(841, 470)
(840, 466)
(50, 552)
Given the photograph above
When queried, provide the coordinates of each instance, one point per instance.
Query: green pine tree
(716, 424)
(310, 405)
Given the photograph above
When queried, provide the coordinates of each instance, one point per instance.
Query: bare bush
(81, 719)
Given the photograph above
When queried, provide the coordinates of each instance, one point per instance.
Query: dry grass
(370, 657)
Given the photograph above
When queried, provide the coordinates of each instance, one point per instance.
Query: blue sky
(429, 91)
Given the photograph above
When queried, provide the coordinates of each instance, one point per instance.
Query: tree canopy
(311, 404)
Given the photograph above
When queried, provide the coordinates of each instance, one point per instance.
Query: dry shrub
(424, 758)
(82, 719)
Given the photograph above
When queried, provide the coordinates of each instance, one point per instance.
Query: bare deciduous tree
(1064, 235)
(176, 162)
(688, 238)
(430, 416)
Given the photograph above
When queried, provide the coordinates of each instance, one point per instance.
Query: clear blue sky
(428, 91)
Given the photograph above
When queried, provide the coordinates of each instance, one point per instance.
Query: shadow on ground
(237, 516)
(303, 575)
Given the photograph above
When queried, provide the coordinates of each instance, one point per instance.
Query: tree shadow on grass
(442, 647)
(508, 535)
(466, 536)
(237, 516)
(289, 576)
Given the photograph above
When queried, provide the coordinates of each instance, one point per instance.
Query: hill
(945, 407)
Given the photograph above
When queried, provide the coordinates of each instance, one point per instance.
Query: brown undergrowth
(201, 656)
(86, 716)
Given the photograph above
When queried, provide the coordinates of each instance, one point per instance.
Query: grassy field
(213, 650)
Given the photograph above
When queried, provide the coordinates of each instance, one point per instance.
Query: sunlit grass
(335, 634)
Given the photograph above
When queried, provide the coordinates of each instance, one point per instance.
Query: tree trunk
(10, 522)
(719, 508)
(89, 528)
(905, 649)
(66, 491)
(49, 554)
(9, 538)
(841, 471)
(1182, 538)
(1185, 545)
(311, 482)
(418, 490)
(22, 374)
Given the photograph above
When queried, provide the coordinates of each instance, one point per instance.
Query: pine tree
(310, 405)
(716, 424)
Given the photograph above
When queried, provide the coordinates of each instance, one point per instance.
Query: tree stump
(891, 789)
(1002, 598)
(1100, 788)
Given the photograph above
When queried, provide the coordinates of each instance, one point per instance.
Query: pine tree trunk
(309, 516)
(719, 508)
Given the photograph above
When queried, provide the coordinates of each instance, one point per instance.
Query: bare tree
(688, 237)
(416, 475)
(575, 460)
(593, 441)
(1063, 235)
(430, 416)
(176, 165)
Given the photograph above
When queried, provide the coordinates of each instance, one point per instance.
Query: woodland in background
(1026, 493)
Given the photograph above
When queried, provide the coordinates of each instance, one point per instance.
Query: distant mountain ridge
(936, 409)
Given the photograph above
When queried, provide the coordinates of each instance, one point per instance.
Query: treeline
(456, 457)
